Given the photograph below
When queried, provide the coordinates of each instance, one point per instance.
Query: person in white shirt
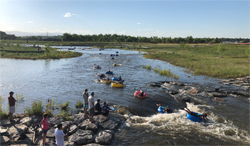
(60, 135)
(91, 106)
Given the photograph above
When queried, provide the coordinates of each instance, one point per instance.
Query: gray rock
(171, 87)
(4, 139)
(105, 137)
(55, 120)
(216, 94)
(82, 137)
(51, 133)
(27, 140)
(110, 124)
(177, 83)
(31, 120)
(100, 118)
(154, 84)
(88, 125)
(17, 131)
(92, 144)
(5, 122)
(73, 129)
(78, 118)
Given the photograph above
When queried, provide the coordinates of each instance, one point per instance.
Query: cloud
(122, 32)
(186, 31)
(82, 32)
(67, 15)
(74, 14)
(138, 23)
(148, 29)
(30, 22)
(138, 29)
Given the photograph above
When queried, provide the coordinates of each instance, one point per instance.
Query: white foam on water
(178, 121)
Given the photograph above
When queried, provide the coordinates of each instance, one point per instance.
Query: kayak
(117, 85)
(109, 72)
(137, 93)
(116, 79)
(194, 118)
(104, 81)
(160, 110)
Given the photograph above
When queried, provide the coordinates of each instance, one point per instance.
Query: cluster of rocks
(198, 93)
(26, 130)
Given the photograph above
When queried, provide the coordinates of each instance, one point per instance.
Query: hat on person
(86, 90)
(11, 92)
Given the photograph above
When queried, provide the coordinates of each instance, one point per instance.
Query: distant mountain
(20, 33)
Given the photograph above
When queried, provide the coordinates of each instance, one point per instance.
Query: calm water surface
(65, 79)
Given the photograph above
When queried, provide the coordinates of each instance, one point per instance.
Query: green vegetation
(49, 112)
(33, 53)
(165, 72)
(19, 97)
(36, 108)
(64, 106)
(148, 67)
(221, 49)
(79, 104)
(203, 59)
(3, 114)
(66, 115)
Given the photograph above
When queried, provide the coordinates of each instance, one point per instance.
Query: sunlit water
(66, 79)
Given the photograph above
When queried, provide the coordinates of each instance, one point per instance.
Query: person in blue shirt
(203, 116)
(105, 109)
(162, 109)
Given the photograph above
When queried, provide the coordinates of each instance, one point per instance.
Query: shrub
(79, 104)
(3, 114)
(65, 115)
(19, 97)
(148, 67)
(36, 108)
(49, 112)
(64, 106)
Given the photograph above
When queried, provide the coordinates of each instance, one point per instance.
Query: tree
(186, 46)
(182, 45)
(189, 39)
(47, 50)
(221, 49)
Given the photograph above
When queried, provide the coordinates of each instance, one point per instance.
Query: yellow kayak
(104, 81)
(118, 85)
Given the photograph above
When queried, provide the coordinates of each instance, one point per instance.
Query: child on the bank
(45, 127)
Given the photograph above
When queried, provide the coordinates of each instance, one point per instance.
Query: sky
(164, 18)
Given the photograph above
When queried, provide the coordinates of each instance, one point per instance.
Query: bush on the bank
(19, 97)
(64, 106)
(3, 114)
(79, 104)
(65, 115)
(148, 67)
(36, 108)
(49, 112)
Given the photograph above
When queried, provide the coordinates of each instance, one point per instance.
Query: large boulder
(55, 120)
(73, 129)
(110, 124)
(105, 137)
(28, 139)
(100, 118)
(170, 87)
(31, 120)
(178, 83)
(88, 125)
(17, 131)
(4, 140)
(217, 94)
(154, 84)
(51, 133)
(78, 118)
(82, 137)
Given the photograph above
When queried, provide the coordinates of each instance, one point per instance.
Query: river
(66, 79)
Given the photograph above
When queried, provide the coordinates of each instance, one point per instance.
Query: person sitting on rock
(203, 116)
(105, 109)
(98, 106)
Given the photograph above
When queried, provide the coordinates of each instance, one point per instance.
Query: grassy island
(20, 52)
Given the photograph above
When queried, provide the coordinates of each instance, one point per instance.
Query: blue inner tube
(160, 110)
(194, 118)
(115, 79)
(112, 58)
(109, 72)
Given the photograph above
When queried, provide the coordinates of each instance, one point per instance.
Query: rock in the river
(178, 83)
(82, 137)
(110, 124)
(105, 137)
(100, 118)
(154, 84)
(73, 129)
(4, 140)
(173, 92)
(88, 125)
(78, 118)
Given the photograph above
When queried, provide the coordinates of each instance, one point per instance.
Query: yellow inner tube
(104, 81)
(118, 85)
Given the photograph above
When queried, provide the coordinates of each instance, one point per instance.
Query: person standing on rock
(85, 96)
(12, 101)
(91, 106)
(59, 135)
(45, 127)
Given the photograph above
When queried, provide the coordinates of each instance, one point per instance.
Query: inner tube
(117, 52)
(194, 118)
(160, 110)
(95, 67)
(115, 79)
(112, 58)
(116, 55)
(137, 93)
(109, 72)
(118, 85)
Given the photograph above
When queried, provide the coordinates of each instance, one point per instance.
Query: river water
(66, 79)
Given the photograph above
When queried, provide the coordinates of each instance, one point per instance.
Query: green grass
(167, 73)
(19, 97)
(64, 106)
(79, 104)
(36, 108)
(66, 115)
(148, 67)
(54, 54)
(204, 59)
(3, 113)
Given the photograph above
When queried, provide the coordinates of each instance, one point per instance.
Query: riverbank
(34, 53)
(204, 59)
